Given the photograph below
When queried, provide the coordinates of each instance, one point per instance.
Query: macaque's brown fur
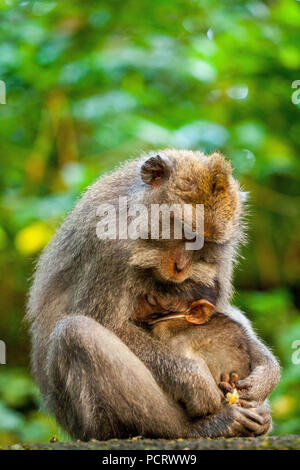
(102, 375)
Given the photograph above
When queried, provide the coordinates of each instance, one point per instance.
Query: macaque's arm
(265, 373)
(265, 368)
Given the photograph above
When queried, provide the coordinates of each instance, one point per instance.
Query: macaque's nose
(176, 264)
(180, 265)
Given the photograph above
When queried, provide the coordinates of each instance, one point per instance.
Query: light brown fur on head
(186, 177)
(193, 178)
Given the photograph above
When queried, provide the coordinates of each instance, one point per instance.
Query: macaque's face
(176, 264)
(186, 177)
(169, 261)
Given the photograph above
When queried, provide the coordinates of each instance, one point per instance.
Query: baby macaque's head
(183, 177)
(152, 310)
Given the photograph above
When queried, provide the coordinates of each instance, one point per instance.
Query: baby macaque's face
(151, 310)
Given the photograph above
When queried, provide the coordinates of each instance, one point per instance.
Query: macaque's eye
(157, 173)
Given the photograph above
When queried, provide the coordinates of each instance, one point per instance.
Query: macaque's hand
(245, 422)
(260, 383)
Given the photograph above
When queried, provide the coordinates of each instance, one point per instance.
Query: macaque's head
(182, 177)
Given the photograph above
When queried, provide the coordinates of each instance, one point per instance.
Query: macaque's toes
(226, 387)
(243, 384)
(247, 403)
(234, 377)
(224, 377)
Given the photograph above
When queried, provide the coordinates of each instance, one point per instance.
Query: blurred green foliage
(91, 83)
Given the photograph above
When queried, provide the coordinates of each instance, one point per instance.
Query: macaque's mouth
(169, 279)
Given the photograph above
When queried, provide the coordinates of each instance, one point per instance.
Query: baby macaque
(195, 330)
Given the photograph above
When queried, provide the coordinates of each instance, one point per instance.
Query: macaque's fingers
(246, 395)
(251, 394)
(267, 420)
(244, 426)
(252, 415)
(237, 430)
(252, 423)
(248, 404)
(224, 377)
(247, 422)
(244, 384)
(264, 410)
(264, 429)
(233, 378)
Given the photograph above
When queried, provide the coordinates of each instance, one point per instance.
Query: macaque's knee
(111, 392)
(78, 339)
(77, 379)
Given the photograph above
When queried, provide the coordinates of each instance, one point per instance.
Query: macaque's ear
(156, 170)
(200, 311)
(220, 171)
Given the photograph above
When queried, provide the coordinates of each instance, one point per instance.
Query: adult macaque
(103, 375)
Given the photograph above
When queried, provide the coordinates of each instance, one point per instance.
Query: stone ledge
(290, 442)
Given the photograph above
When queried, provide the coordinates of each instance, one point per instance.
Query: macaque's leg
(100, 389)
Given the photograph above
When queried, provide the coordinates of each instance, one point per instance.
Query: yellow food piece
(232, 398)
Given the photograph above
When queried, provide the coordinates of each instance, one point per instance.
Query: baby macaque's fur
(219, 344)
(102, 375)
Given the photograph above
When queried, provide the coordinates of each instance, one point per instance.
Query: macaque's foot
(228, 387)
(227, 383)
(248, 422)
